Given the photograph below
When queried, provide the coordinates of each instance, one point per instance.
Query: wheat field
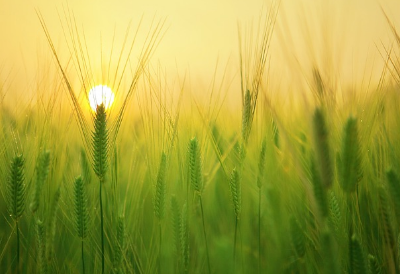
(172, 179)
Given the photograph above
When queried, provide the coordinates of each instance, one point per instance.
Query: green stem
(102, 229)
(234, 246)
(159, 252)
(241, 246)
(83, 260)
(205, 235)
(17, 226)
(259, 230)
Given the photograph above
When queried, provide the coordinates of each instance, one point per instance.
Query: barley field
(112, 166)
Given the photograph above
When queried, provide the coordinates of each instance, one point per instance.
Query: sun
(101, 94)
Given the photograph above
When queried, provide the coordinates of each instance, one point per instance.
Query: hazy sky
(340, 36)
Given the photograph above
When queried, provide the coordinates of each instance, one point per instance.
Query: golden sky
(342, 37)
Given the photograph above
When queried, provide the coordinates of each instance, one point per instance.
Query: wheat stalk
(196, 178)
(81, 214)
(15, 196)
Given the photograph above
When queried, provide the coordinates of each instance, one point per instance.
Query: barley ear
(385, 215)
(394, 186)
(119, 247)
(236, 192)
(41, 247)
(374, 267)
(159, 195)
(81, 210)
(350, 158)
(184, 240)
(335, 216)
(319, 190)
(15, 189)
(298, 238)
(246, 116)
(176, 224)
(322, 149)
(195, 167)
(357, 259)
(42, 170)
(100, 143)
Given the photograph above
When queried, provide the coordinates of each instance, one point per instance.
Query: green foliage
(42, 170)
(81, 211)
(15, 189)
(100, 143)
(350, 169)
(160, 189)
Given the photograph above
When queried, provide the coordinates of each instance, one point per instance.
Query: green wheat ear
(184, 238)
(385, 215)
(120, 245)
(319, 190)
(195, 166)
(298, 237)
(236, 192)
(323, 154)
(41, 247)
(42, 170)
(246, 116)
(374, 267)
(261, 163)
(176, 224)
(394, 186)
(350, 159)
(159, 196)
(100, 143)
(357, 259)
(15, 189)
(81, 211)
(335, 216)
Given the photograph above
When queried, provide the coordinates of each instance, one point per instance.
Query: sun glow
(101, 95)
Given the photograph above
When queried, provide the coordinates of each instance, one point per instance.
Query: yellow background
(342, 38)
